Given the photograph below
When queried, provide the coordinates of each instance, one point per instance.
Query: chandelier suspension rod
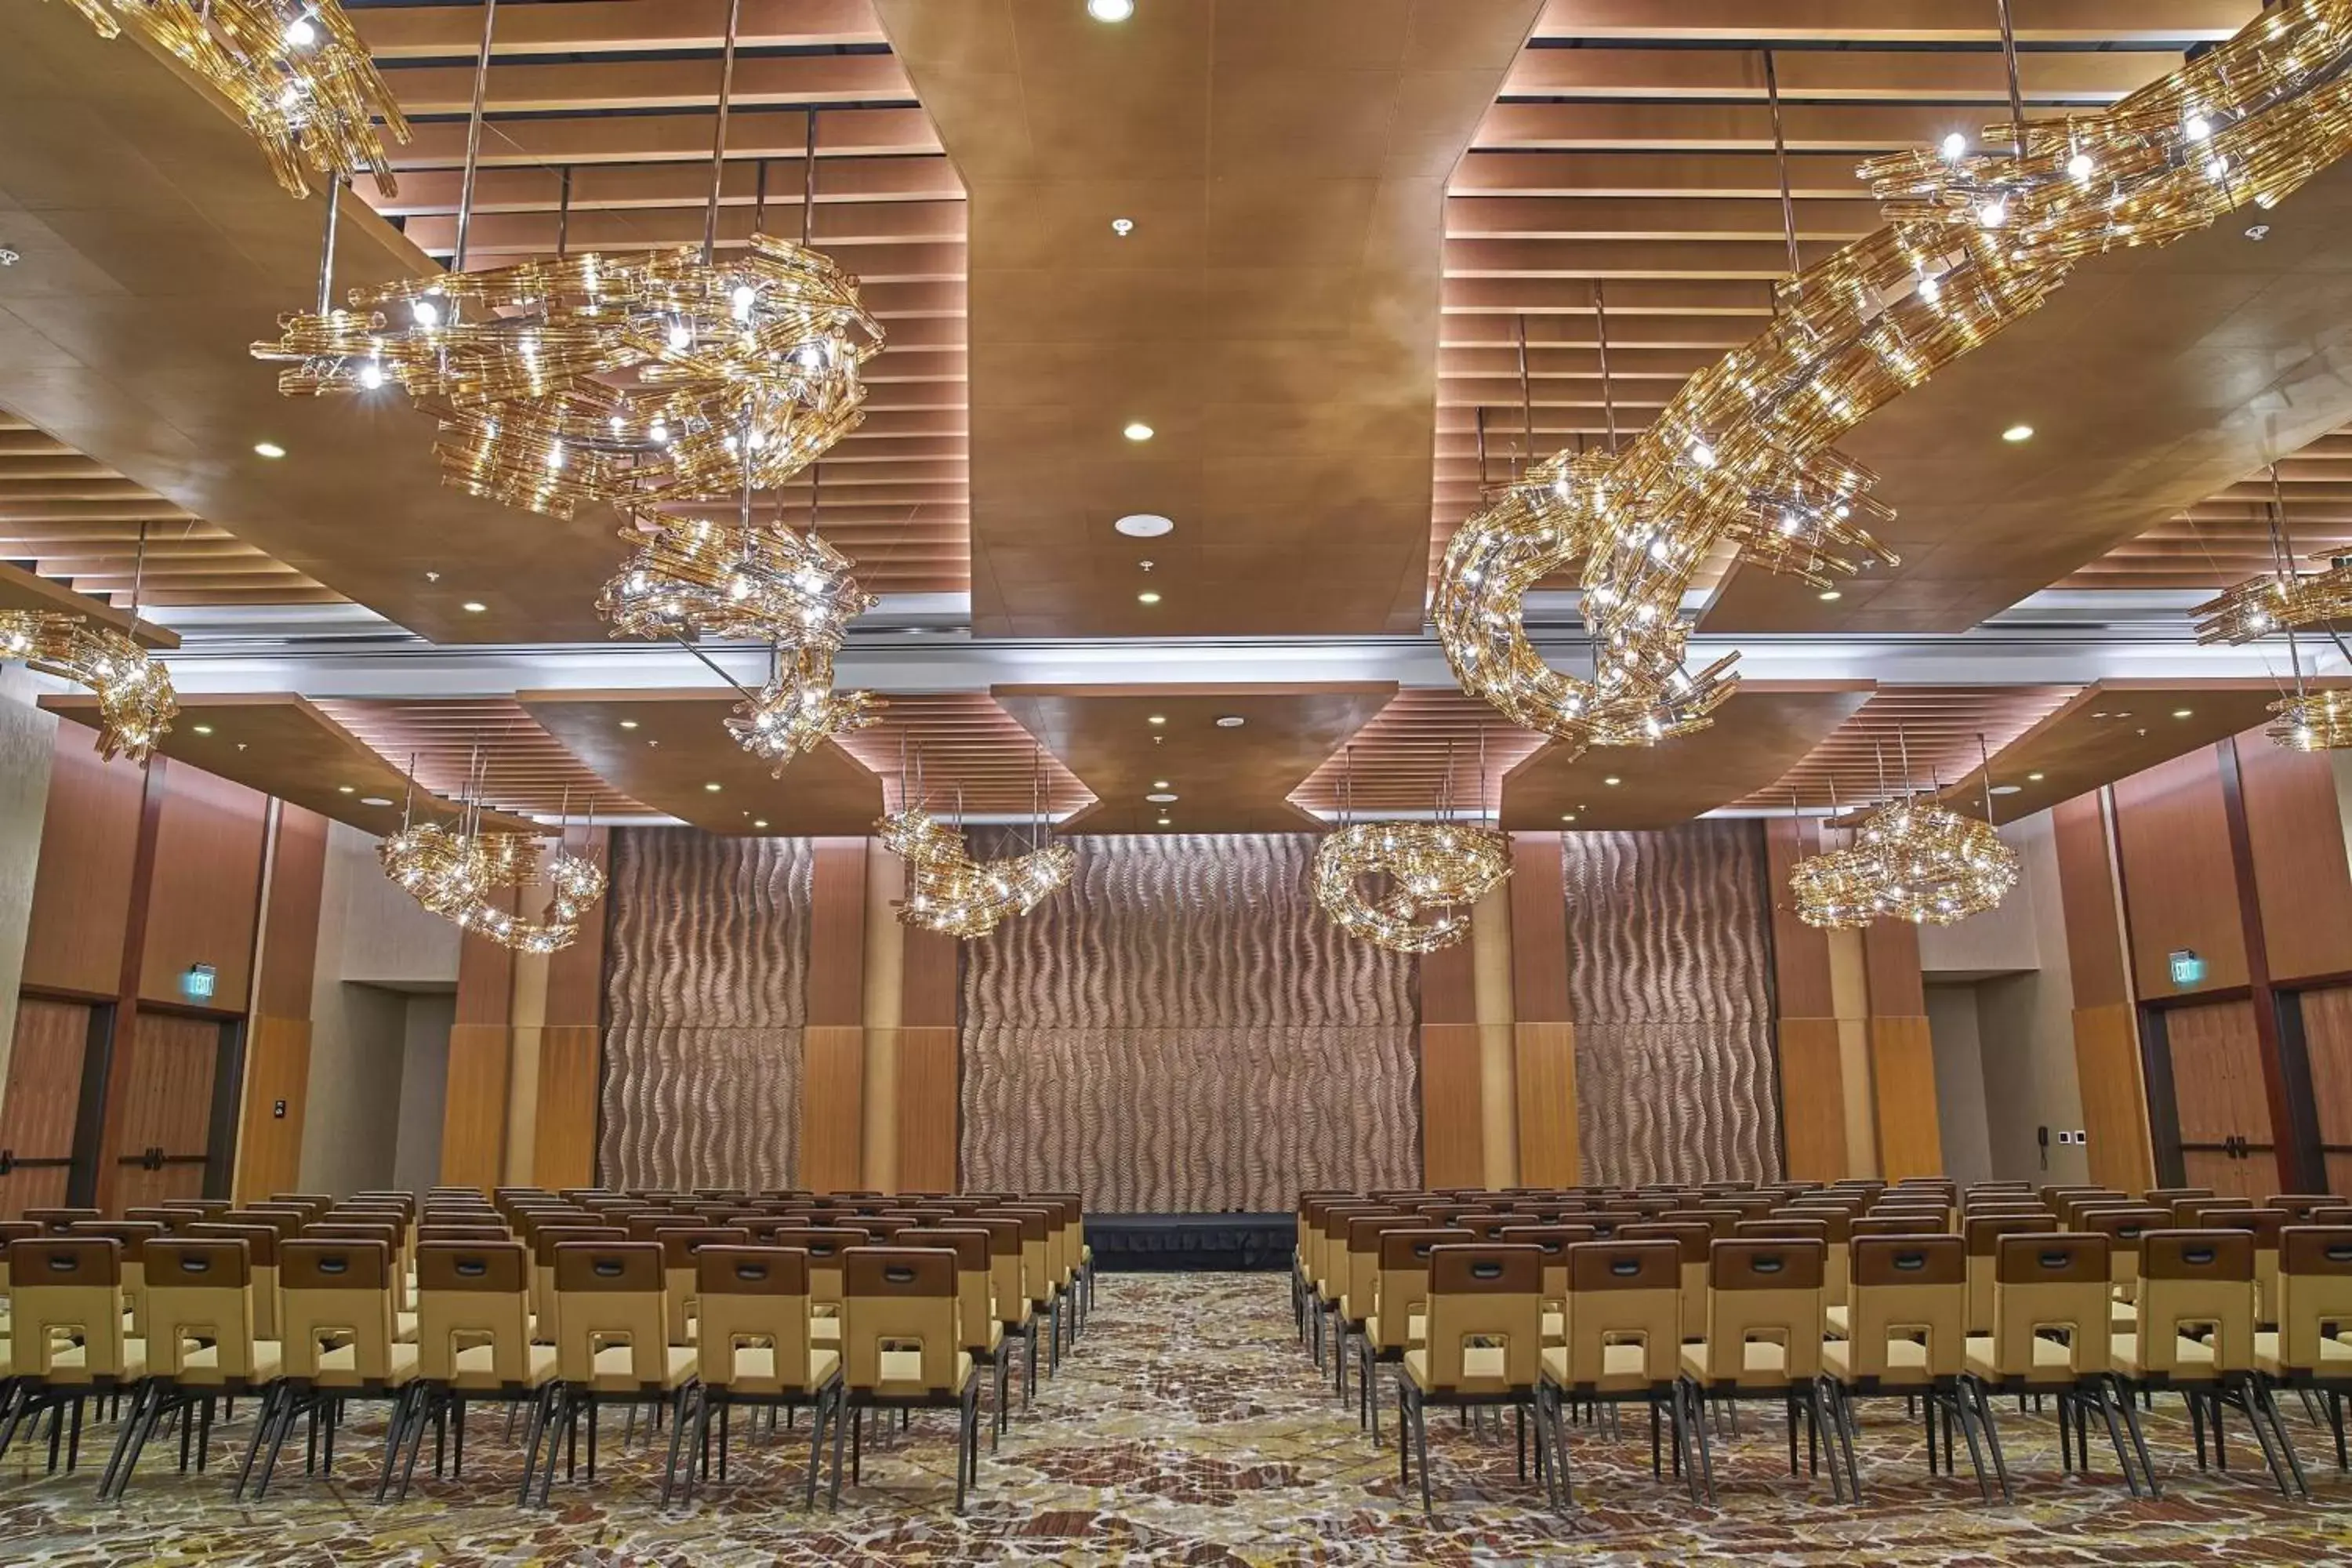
(327, 244)
(759, 197)
(1600, 337)
(808, 180)
(1478, 420)
(474, 136)
(719, 134)
(748, 695)
(1781, 162)
(1985, 757)
(562, 211)
(138, 576)
(1526, 403)
(2016, 91)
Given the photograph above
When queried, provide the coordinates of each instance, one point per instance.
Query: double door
(2222, 1134)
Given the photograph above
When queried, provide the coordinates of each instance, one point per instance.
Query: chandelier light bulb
(1955, 146)
(2079, 166)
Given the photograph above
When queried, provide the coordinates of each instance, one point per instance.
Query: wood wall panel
(277, 1071)
(1544, 1058)
(1903, 1078)
(575, 975)
(43, 1094)
(2303, 878)
(1453, 1136)
(836, 972)
(1890, 959)
(2115, 1102)
(1538, 942)
(2173, 838)
(81, 886)
(166, 1103)
(929, 979)
(1449, 984)
(474, 1114)
(929, 1091)
(289, 936)
(2328, 1037)
(2086, 892)
(1801, 955)
(563, 1141)
(832, 1108)
(205, 903)
(486, 973)
(1812, 1100)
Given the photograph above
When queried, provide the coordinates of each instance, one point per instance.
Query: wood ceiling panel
(451, 742)
(2226, 538)
(965, 749)
(1271, 317)
(403, 32)
(1931, 730)
(1424, 746)
(1226, 779)
(1845, 22)
(284, 745)
(1756, 738)
(23, 590)
(676, 746)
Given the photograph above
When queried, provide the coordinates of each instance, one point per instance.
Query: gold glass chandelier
(1915, 860)
(1740, 459)
(300, 77)
(135, 704)
(2312, 722)
(1408, 887)
(455, 871)
(949, 892)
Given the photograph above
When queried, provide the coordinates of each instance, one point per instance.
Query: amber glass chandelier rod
(2016, 91)
(1781, 162)
(719, 134)
(474, 135)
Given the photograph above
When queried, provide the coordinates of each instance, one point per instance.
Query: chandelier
(949, 892)
(1739, 460)
(135, 704)
(2313, 721)
(456, 870)
(1435, 869)
(2283, 601)
(1915, 860)
(294, 69)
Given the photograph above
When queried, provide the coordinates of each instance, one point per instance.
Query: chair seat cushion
(71, 1365)
(339, 1368)
(1906, 1361)
(826, 1329)
(200, 1368)
(615, 1371)
(902, 1373)
(1837, 1319)
(2335, 1356)
(1484, 1369)
(2192, 1360)
(475, 1366)
(2052, 1363)
(754, 1371)
(1555, 1328)
(1762, 1362)
(1415, 1327)
(404, 1328)
(1624, 1368)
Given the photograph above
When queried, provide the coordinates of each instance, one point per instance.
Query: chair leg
(416, 1442)
(2104, 1397)
(262, 1418)
(396, 1427)
(534, 1428)
(1973, 1389)
(129, 1437)
(967, 1440)
(817, 1448)
(1955, 1405)
(2138, 1438)
(1696, 1398)
(2269, 1398)
(843, 1414)
(677, 1424)
(1420, 1451)
(290, 1410)
(2260, 1416)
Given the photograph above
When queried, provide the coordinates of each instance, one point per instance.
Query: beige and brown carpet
(1188, 1428)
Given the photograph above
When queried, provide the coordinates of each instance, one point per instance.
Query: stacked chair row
(553, 1304)
(1813, 1297)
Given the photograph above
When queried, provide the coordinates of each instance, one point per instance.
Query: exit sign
(197, 983)
(2188, 969)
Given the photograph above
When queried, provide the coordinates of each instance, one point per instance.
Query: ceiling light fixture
(2033, 778)
(949, 892)
(1159, 783)
(1231, 721)
(713, 787)
(1122, 226)
(10, 256)
(2182, 712)
(2006, 789)
(346, 789)
(202, 729)
(1110, 10)
(759, 822)
(1137, 430)
(269, 450)
(1830, 595)
(1567, 816)
(1613, 781)
(473, 606)
(375, 800)
(1144, 525)
(1158, 719)
(628, 723)
(1147, 597)
(1161, 797)
(2017, 433)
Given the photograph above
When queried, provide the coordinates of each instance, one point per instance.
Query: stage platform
(1200, 1241)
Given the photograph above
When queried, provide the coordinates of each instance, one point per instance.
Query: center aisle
(1188, 1426)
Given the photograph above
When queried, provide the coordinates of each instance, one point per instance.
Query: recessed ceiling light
(1159, 719)
(375, 800)
(1110, 10)
(10, 256)
(1144, 525)
(2017, 433)
(1122, 226)
(2182, 712)
(203, 728)
(628, 723)
(2259, 231)
(713, 788)
(1163, 822)
(1830, 595)
(1137, 430)
(759, 822)
(1161, 797)
(2005, 789)
(1159, 783)
(473, 606)
(346, 789)
(1567, 816)
(269, 450)
(1613, 781)
(1231, 721)
(2033, 778)
(1147, 597)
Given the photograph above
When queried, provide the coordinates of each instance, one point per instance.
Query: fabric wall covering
(1670, 962)
(1182, 1030)
(705, 997)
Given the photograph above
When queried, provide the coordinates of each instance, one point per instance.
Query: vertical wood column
(2286, 1069)
(930, 1066)
(886, 953)
(110, 1068)
(1490, 972)
(1902, 1054)
(277, 1039)
(1543, 1029)
(833, 1050)
(2106, 1024)
(570, 1074)
(1452, 1094)
(481, 1051)
(1807, 1031)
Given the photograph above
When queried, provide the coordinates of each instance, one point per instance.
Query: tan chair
(1764, 1341)
(59, 1221)
(1695, 1240)
(1005, 1288)
(545, 1240)
(2195, 1336)
(1906, 1333)
(2265, 1225)
(827, 1247)
(1622, 1342)
(1399, 1318)
(1357, 1260)
(336, 1311)
(1984, 1234)
(67, 1341)
(474, 1345)
(261, 1243)
(2309, 1349)
(756, 1349)
(976, 1315)
(2050, 1335)
(1553, 1241)
(902, 1349)
(1485, 1347)
(133, 1236)
(612, 1346)
(2125, 1228)
(680, 1243)
(201, 1348)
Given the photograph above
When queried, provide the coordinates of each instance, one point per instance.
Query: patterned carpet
(1189, 1429)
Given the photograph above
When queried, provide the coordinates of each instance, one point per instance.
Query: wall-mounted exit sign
(2188, 969)
(197, 983)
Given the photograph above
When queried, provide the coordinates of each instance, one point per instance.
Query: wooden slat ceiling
(284, 745)
(965, 746)
(23, 590)
(1271, 317)
(668, 749)
(1632, 146)
(2225, 539)
(524, 767)
(1400, 761)
(1226, 779)
(1937, 727)
(73, 519)
(619, 100)
(1755, 738)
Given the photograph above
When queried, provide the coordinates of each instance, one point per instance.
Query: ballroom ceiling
(1348, 226)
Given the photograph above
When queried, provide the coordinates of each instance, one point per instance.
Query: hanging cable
(474, 136)
(1781, 162)
(719, 134)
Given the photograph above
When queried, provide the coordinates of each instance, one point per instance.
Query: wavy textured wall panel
(1669, 971)
(705, 998)
(1183, 1030)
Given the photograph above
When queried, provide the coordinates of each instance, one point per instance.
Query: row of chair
(1814, 1296)
(555, 1304)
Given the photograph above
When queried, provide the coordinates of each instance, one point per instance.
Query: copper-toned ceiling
(2226, 538)
(1429, 744)
(1271, 317)
(960, 746)
(520, 765)
(1934, 731)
